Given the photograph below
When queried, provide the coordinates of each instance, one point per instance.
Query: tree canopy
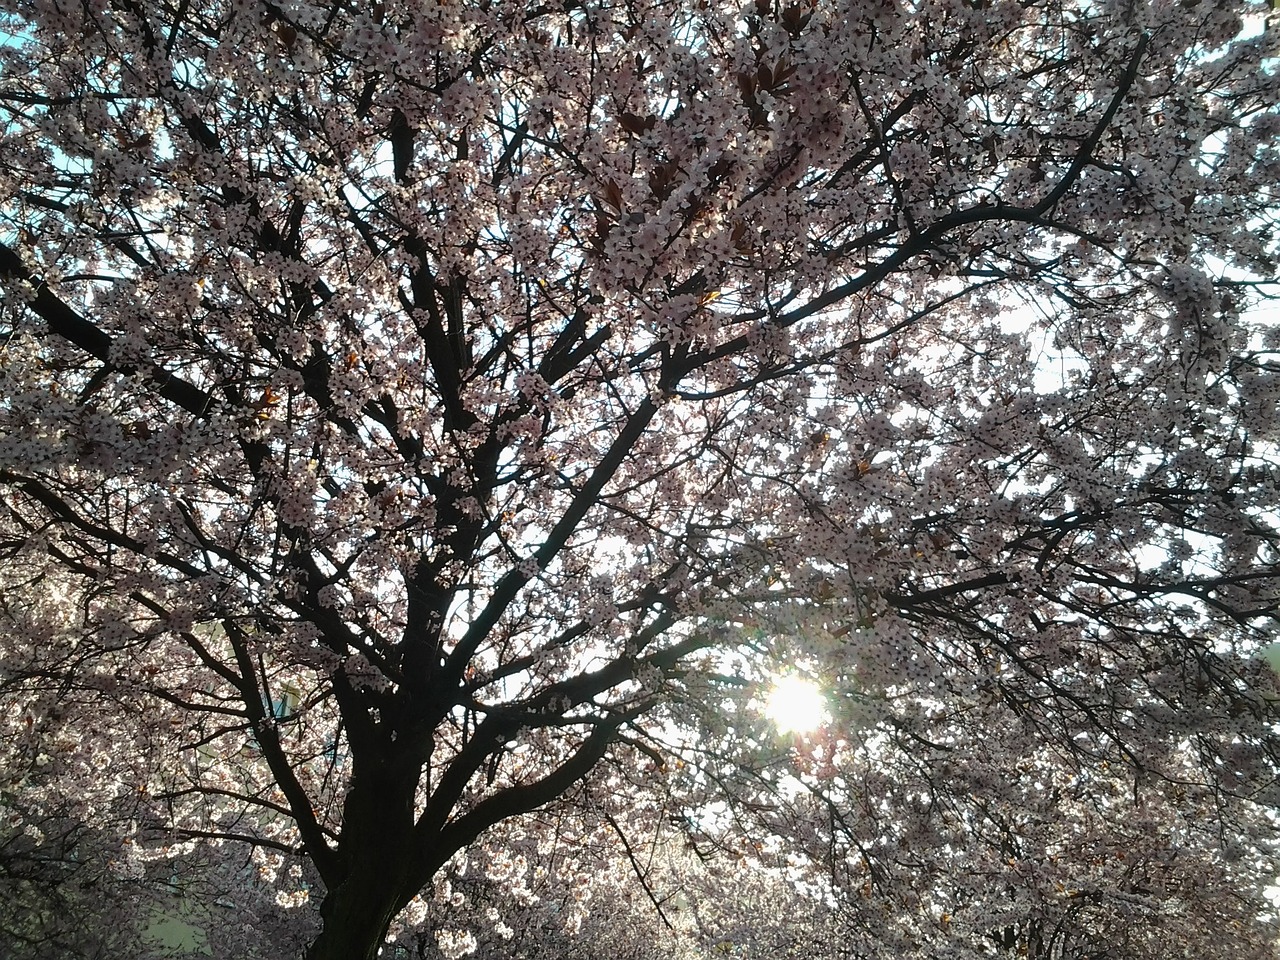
(413, 414)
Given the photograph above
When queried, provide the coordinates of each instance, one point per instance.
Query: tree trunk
(355, 917)
(377, 853)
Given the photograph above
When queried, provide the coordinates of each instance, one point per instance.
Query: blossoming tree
(410, 408)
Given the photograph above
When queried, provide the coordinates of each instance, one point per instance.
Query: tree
(410, 407)
(939, 819)
(60, 898)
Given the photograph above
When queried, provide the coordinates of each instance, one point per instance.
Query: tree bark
(376, 858)
(355, 917)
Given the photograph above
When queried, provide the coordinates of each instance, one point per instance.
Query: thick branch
(69, 325)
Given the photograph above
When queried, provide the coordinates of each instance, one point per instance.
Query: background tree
(411, 407)
(935, 817)
(60, 895)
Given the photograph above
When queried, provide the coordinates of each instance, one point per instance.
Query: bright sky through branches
(796, 705)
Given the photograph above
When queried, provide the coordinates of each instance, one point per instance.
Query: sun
(795, 705)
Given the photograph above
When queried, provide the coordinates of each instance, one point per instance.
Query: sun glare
(795, 705)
